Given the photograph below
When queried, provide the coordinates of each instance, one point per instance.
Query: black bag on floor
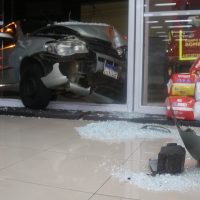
(171, 159)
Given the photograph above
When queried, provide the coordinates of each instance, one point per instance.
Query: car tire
(54, 97)
(33, 92)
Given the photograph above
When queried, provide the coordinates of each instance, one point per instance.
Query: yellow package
(183, 89)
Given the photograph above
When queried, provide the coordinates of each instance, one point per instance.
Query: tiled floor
(45, 159)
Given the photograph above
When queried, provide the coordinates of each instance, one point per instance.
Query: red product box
(183, 107)
(182, 84)
(184, 78)
(195, 68)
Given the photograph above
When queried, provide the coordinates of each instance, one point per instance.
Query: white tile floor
(45, 159)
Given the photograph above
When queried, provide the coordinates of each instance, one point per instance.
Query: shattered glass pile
(112, 131)
(120, 131)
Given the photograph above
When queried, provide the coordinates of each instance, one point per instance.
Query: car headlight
(120, 51)
(67, 47)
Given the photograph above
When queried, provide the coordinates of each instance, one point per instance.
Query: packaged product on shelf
(197, 91)
(197, 111)
(182, 84)
(183, 107)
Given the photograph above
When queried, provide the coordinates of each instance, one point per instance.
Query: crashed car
(64, 57)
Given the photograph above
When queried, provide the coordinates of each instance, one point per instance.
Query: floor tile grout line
(46, 185)
(120, 165)
(131, 154)
(22, 147)
(46, 150)
(82, 154)
(101, 186)
(79, 154)
(25, 159)
(17, 162)
(105, 195)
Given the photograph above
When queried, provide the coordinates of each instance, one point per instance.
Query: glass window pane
(171, 44)
(69, 63)
(170, 5)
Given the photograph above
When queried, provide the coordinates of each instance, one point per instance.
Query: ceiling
(46, 9)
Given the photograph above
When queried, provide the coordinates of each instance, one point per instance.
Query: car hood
(97, 30)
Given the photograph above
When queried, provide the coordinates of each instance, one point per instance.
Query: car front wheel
(33, 93)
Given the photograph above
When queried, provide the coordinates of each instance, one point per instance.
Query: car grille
(101, 46)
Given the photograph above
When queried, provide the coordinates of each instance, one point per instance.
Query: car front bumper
(54, 78)
(98, 67)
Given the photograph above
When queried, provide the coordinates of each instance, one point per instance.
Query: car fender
(35, 58)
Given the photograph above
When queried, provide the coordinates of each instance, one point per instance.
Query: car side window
(59, 30)
(44, 32)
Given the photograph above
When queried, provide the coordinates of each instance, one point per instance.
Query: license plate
(110, 71)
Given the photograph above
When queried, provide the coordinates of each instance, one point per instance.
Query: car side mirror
(6, 37)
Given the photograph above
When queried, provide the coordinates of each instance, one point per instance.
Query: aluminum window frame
(139, 53)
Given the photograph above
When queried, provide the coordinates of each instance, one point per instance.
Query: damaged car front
(74, 57)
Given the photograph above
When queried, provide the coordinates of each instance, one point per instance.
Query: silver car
(63, 57)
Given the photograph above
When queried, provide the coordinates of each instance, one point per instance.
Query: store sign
(189, 45)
